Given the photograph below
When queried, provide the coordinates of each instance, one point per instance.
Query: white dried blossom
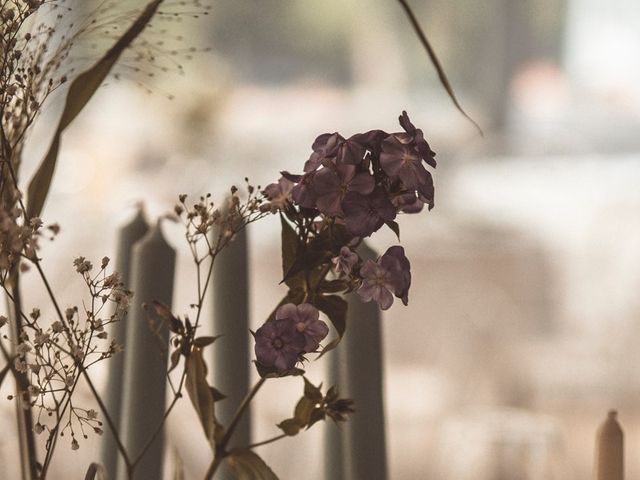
(40, 338)
(82, 265)
(20, 365)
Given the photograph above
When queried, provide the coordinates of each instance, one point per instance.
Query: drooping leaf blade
(442, 76)
(80, 92)
(247, 465)
(201, 395)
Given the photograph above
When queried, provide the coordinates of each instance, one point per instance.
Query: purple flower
(403, 161)
(408, 202)
(278, 194)
(350, 152)
(303, 193)
(278, 344)
(305, 318)
(324, 146)
(414, 135)
(390, 275)
(366, 214)
(377, 284)
(397, 264)
(345, 261)
(331, 185)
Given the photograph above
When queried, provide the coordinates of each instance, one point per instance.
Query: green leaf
(316, 415)
(217, 395)
(201, 395)
(272, 372)
(247, 465)
(334, 307)
(395, 227)
(96, 472)
(312, 392)
(174, 359)
(80, 92)
(303, 410)
(289, 250)
(290, 426)
(202, 342)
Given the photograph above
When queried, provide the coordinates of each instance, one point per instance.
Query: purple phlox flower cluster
(389, 276)
(297, 329)
(365, 180)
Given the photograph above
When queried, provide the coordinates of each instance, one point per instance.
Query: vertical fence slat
(335, 451)
(366, 444)
(143, 401)
(128, 236)
(230, 355)
(609, 461)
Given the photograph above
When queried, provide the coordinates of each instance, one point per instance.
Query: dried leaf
(80, 92)
(303, 410)
(290, 426)
(273, 372)
(174, 359)
(435, 62)
(200, 394)
(202, 342)
(395, 227)
(312, 392)
(289, 246)
(247, 465)
(217, 395)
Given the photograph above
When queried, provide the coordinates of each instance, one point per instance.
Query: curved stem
(239, 412)
(265, 442)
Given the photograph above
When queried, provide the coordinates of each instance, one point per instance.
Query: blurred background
(522, 328)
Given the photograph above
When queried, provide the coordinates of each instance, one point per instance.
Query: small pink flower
(345, 261)
(278, 344)
(305, 317)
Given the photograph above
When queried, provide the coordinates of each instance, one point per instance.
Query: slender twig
(265, 442)
(240, 411)
(106, 415)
